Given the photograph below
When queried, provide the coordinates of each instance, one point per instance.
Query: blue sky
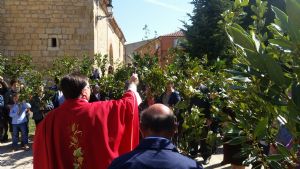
(162, 16)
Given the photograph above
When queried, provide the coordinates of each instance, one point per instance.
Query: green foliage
(272, 70)
(33, 81)
(150, 73)
(206, 35)
(262, 85)
(3, 60)
(18, 66)
(85, 65)
(113, 86)
(192, 127)
(22, 68)
(156, 80)
(292, 10)
(263, 7)
(65, 65)
(62, 66)
(146, 32)
(101, 62)
(259, 10)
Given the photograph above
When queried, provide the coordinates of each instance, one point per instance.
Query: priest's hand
(134, 79)
(133, 82)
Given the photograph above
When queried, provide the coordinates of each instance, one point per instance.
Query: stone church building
(47, 29)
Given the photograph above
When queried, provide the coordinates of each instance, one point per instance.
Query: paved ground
(23, 159)
(19, 159)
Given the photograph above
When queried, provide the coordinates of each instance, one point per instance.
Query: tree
(147, 32)
(272, 88)
(206, 35)
(269, 15)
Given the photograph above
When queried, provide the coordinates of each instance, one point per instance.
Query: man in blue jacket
(156, 151)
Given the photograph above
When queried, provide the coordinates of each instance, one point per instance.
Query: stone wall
(109, 40)
(35, 26)
(1, 23)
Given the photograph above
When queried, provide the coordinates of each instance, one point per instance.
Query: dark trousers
(24, 134)
(206, 149)
(178, 135)
(6, 124)
(1, 129)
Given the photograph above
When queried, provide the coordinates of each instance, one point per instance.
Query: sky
(163, 16)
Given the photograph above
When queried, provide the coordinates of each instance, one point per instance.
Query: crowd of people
(78, 126)
(13, 114)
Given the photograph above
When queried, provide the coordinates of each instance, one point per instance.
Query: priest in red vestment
(83, 135)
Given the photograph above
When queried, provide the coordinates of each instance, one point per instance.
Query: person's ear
(144, 131)
(84, 93)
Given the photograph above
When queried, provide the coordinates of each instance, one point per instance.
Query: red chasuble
(86, 135)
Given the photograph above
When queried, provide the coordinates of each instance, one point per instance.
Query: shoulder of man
(119, 162)
(187, 163)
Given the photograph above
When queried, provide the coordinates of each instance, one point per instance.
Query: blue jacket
(18, 113)
(154, 153)
(174, 98)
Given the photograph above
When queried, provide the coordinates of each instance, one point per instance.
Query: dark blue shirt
(154, 153)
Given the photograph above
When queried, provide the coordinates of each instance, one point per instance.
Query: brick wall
(32, 26)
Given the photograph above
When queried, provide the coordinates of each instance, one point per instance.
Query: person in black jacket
(40, 105)
(8, 103)
(202, 101)
(3, 123)
(170, 98)
(95, 95)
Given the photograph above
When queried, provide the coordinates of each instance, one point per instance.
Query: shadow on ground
(11, 159)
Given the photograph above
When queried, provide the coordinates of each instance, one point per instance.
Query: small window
(53, 42)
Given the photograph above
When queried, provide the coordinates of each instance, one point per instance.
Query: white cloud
(166, 5)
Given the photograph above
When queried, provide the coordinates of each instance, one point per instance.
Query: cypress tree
(206, 35)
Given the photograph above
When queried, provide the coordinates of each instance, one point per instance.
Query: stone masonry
(1, 19)
(47, 29)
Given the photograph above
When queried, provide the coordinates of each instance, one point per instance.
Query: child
(18, 114)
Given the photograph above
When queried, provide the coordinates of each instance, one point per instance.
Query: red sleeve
(131, 135)
(121, 124)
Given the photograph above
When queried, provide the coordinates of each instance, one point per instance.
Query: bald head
(158, 120)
